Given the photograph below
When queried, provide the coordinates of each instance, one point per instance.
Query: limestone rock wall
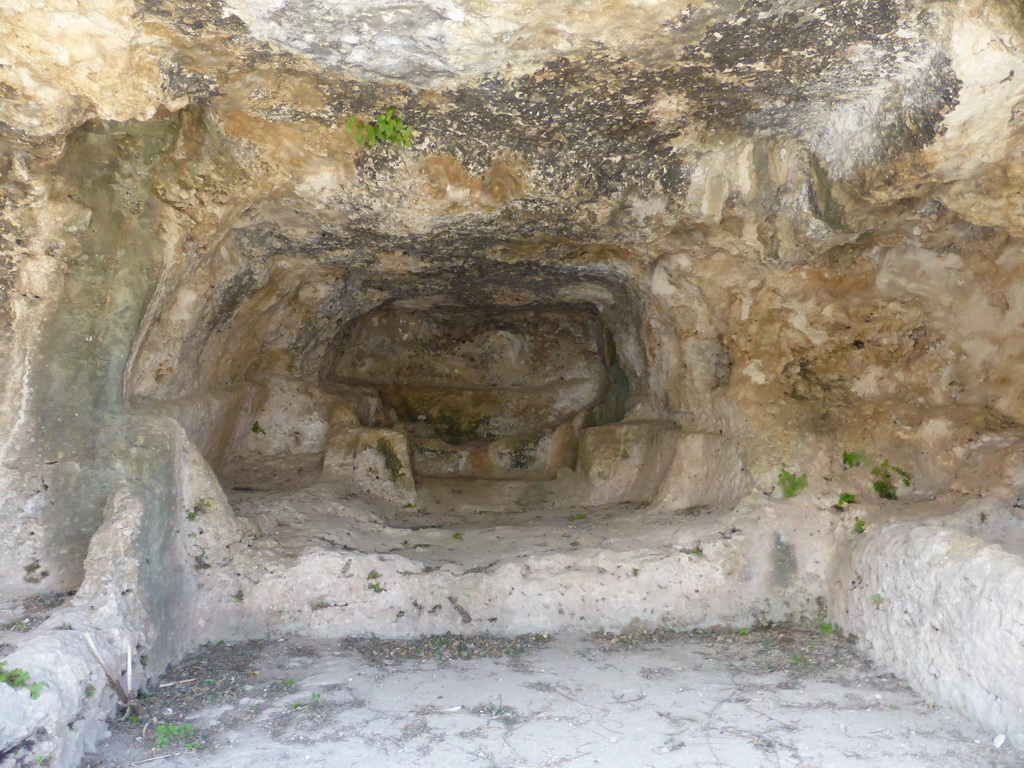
(941, 608)
(798, 222)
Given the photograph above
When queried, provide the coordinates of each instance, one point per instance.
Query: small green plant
(385, 128)
(844, 499)
(578, 516)
(200, 506)
(499, 712)
(828, 628)
(884, 486)
(376, 587)
(313, 699)
(32, 573)
(257, 429)
(743, 631)
(877, 599)
(635, 571)
(19, 678)
(574, 543)
(457, 536)
(290, 681)
(854, 459)
(410, 505)
(791, 484)
(858, 525)
(372, 575)
(90, 691)
(166, 733)
(798, 659)
(239, 596)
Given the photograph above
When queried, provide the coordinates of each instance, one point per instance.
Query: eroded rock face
(470, 375)
(775, 232)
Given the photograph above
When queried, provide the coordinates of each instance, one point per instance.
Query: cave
(506, 368)
(413, 319)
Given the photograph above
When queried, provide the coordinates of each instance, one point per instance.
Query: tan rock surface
(792, 231)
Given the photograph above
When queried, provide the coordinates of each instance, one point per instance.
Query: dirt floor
(772, 698)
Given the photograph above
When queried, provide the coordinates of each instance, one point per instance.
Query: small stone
(999, 740)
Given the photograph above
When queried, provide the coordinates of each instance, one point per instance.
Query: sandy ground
(770, 698)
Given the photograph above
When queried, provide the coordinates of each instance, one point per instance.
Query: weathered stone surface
(794, 226)
(374, 462)
(65, 63)
(464, 376)
(942, 608)
(656, 462)
(136, 604)
(621, 575)
(613, 457)
(283, 416)
(525, 458)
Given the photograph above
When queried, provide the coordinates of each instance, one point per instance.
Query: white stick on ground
(127, 701)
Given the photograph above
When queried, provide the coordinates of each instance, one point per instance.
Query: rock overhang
(796, 222)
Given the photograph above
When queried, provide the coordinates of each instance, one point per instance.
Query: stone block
(529, 457)
(940, 608)
(372, 462)
(611, 457)
(699, 470)
(293, 415)
(660, 463)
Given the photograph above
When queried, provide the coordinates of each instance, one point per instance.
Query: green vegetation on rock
(791, 484)
(392, 463)
(385, 128)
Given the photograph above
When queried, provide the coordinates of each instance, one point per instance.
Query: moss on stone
(453, 421)
(521, 452)
(392, 463)
(612, 408)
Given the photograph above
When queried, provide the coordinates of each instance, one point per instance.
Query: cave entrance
(464, 427)
(418, 392)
